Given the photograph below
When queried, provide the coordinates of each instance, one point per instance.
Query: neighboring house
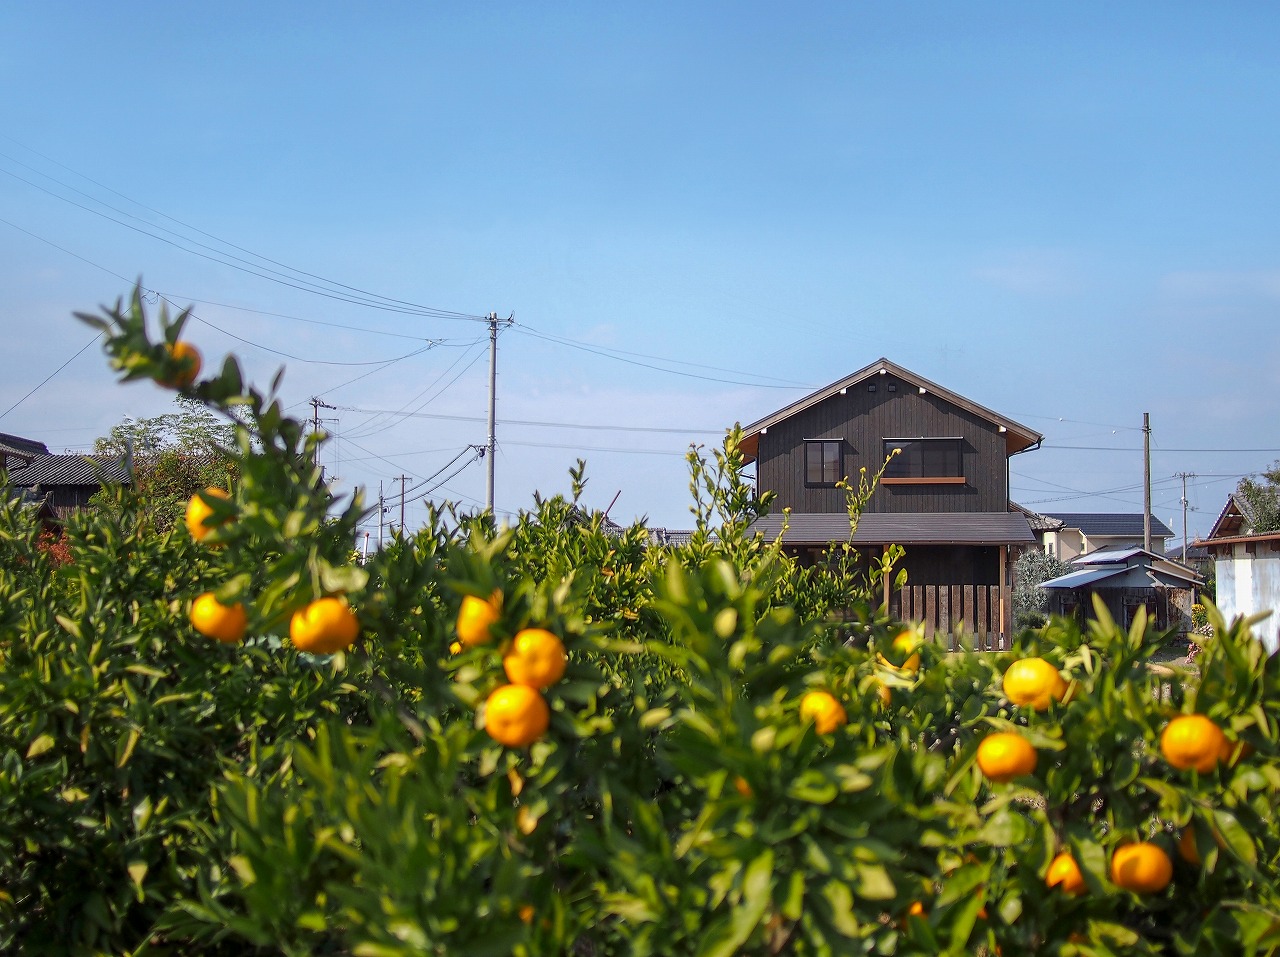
(1247, 569)
(16, 451)
(1126, 579)
(1085, 532)
(65, 483)
(944, 496)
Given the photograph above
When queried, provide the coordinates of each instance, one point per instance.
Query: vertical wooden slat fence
(950, 609)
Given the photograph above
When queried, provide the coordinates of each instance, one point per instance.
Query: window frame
(924, 460)
(823, 446)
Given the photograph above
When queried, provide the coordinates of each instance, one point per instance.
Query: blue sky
(1065, 212)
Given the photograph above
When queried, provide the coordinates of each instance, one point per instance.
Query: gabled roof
(49, 471)
(1017, 437)
(23, 448)
(1111, 523)
(1124, 568)
(1235, 519)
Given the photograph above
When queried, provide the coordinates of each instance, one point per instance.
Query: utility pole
(402, 479)
(493, 405)
(1184, 476)
(382, 513)
(316, 405)
(1146, 481)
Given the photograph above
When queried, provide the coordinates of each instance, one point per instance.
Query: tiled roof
(1038, 522)
(901, 528)
(1111, 523)
(48, 471)
(17, 445)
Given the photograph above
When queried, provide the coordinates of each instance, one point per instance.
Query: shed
(1127, 579)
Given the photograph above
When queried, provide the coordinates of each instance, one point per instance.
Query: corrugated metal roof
(1089, 576)
(901, 528)
(1111, 523)
(47, 471)
(17, 445)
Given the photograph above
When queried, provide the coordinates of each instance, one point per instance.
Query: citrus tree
(558, 738)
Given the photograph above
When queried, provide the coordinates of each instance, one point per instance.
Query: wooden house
(65, 483)
(944, 496)
(15, 451)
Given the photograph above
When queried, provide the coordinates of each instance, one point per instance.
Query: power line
(617, 356)
(532, 422)
(51, 375)
(353, 294)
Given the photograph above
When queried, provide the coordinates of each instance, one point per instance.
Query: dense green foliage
(1030, 601)
(163, 793)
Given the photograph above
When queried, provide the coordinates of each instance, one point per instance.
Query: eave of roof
(1017, 436)
(47, 471)
(899, 528)
(1238, 539)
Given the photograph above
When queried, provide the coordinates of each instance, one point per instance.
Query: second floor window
(823, 463)
(925, 459)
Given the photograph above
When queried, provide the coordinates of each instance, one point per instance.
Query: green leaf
(40, 745)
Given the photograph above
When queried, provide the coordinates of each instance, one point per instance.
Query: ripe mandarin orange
(823, 710)
(226, 623)
(187, 362)
(476, 616)
(1033, 682)
(1192, 741)
(1143, 868)
(324, 626)
(516, 715)
(536, 658)
(1064, 873)
(1006, 755)
(199, 511)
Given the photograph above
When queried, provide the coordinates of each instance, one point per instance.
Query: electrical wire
(353, 294)
(439, 392)
(614, 354)
(541, 424)
(51, 375)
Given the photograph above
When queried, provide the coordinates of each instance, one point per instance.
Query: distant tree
(171, 456)
(1030, 601)
(1263, 499)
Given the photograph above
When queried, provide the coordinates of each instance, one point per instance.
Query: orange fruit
(186, 361)
(904, 647)
(1064, 872)
(536, 658)
(823, 710)
(1143, 868)
(1187, 849)
(1033, 682)
(516, 715)
(199, 511)
(324, 626)
(1005, 755)
(742, 787)
(226, 623)
(1192, 741)
(475, 616)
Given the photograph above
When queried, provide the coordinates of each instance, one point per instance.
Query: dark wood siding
(862, 420)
